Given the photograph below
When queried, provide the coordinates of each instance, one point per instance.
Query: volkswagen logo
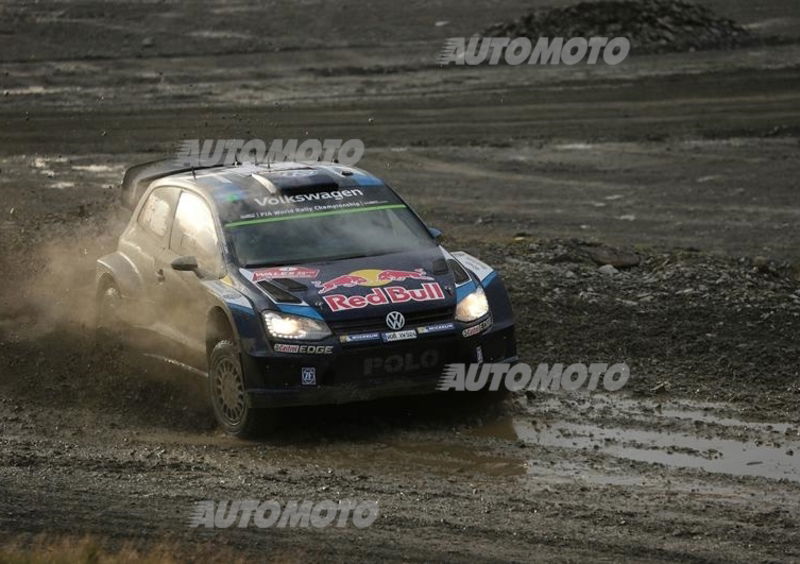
(395, 320)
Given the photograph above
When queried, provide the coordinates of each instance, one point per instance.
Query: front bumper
(370, 372)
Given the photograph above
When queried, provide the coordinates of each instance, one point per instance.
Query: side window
(156, 212)
(193, 232)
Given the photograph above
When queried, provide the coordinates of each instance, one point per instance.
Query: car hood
(365, 287)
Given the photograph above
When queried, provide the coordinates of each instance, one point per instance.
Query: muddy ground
(689, 160)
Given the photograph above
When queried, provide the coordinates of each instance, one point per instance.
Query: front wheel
(227, 391)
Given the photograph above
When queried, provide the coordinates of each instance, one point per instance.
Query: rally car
(292, 284)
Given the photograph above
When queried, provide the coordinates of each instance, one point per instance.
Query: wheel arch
(121, 271)
(104, 281)
(219, 326)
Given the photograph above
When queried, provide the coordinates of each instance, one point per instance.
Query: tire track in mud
(451, 481)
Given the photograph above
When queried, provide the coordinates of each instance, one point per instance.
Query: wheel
(226, 388)
(108, 324)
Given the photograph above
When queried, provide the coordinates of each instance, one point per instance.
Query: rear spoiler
(138, 177)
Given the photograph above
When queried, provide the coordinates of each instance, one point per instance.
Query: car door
(145, 239)
(183, 299)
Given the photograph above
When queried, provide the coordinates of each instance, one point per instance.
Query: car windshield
(327, 236)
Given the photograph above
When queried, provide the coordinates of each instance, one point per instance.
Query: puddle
(442, 459)
(95, 168)
(770, 450)
(646, 410)
(724, 456)
(621, 429)
(216, 34)
(448, 459)
(705, 417)
(574, 147)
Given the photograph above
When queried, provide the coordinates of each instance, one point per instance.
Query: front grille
(370, 324)
(410, 359)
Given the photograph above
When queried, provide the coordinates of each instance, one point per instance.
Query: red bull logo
(370, 277)
(400, 275)
(344, 281)
(430, 291)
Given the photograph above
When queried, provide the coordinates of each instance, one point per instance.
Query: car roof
(210, 179)
(259, 193)
(274, 178)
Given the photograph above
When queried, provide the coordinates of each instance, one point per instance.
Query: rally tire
(227, 393)
(108, 324)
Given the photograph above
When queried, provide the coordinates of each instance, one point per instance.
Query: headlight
(287, 326)
(473, 307)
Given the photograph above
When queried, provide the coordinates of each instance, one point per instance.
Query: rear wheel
(109, 305)
(227, 391)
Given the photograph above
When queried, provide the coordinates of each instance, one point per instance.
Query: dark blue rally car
(293, 284)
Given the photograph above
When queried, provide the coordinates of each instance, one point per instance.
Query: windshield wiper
(303, 261)
(347, 257)
(324, 259)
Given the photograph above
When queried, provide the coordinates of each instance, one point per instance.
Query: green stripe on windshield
(312, 214)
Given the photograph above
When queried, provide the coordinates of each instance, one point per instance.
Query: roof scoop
(271, 188)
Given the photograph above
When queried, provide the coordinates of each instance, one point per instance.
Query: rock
(761, 264)
(608, 269)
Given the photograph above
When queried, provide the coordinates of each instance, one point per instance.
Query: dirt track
(689, 159)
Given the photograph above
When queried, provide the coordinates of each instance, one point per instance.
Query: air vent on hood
(459, 273)
(439, 266)
(291, 285)
(278, 294)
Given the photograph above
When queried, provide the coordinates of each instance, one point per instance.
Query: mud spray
(47, 329)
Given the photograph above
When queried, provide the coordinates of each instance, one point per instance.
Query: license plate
(400, 335)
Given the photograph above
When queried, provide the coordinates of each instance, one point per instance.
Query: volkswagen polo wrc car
(289, 284)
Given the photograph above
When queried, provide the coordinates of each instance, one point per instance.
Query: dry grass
(45, 549)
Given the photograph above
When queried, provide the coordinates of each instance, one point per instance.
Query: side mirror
(185, 264)
(435, 233)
